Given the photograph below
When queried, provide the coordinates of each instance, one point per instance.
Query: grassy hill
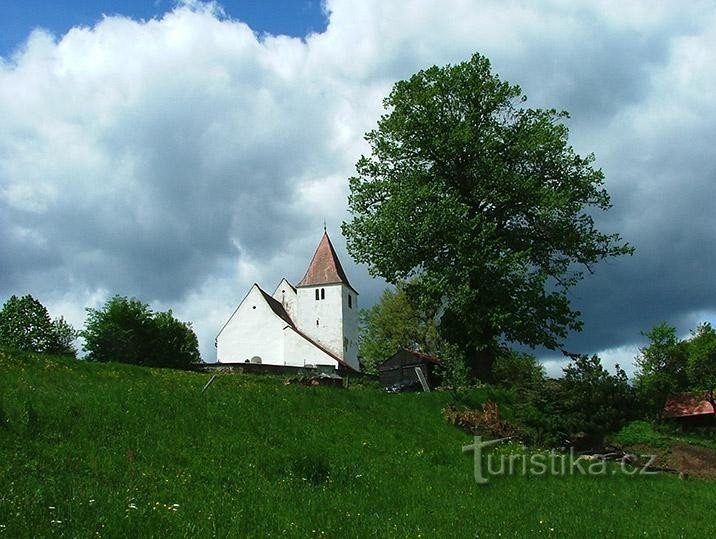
(114, 450)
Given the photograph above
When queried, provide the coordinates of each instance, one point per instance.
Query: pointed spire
(325, 268)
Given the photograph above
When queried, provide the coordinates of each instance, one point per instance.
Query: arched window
(323, 293)
(316, 294)
(350, 302)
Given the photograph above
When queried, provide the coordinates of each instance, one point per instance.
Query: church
(311, 324)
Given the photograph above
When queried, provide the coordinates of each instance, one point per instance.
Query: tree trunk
(480, 362)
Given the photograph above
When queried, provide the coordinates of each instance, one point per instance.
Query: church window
(323, 293)
(316, 321)
(317, 298)
(350, 302)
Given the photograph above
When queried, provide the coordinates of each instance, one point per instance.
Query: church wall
(252, 332)
(322, 319)
(350, 327)
(300, 352)
(287, 296)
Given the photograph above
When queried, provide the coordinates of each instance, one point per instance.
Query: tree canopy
(669, 365)
(26, 325)
(128, 331)
(485, 203)
(393, 323)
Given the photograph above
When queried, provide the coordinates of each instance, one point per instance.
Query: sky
(180, 151)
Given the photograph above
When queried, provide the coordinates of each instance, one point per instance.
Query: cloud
(181, 158)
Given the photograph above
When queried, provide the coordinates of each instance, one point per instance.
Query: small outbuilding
(696, 407)
(399, 369)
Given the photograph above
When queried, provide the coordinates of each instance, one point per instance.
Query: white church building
(314, 323)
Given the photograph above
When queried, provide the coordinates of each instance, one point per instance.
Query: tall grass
(115, 450)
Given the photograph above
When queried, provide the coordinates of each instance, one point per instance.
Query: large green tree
(128, 331)
(661, 368)
(25, 324)
(486, 202)
(701, 362)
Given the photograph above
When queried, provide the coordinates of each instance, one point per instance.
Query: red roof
(325, 268)
(689, 404)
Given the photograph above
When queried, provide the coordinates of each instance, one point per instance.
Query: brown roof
(689, 404)
(325, 268)
(426, 357)
(277, 308)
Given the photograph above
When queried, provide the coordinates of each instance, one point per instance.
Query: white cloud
(181, 158)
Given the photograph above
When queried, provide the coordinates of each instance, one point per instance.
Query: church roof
(277, 308)
(325, 268)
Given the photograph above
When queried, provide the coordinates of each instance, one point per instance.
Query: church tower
(327, 305)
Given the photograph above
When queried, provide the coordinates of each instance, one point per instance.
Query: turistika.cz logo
(542, 464)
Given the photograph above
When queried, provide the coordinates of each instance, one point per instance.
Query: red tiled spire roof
(325, 268)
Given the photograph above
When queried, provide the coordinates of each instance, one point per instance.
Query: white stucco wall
(350, 327)
(300, 352)
(253, 330)
(322, 319)
(286, 295)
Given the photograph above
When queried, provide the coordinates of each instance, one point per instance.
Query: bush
(639, 432)
(596, 402)
(25, 325)
(517, 369)
(487, 421)
(126, 330)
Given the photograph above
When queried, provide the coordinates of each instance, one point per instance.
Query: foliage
(485, 202)
(661, 368)
(597, 402)
(453, 370)
(701, 362)
(175, 343)
(115, 450)
(639, 432)
(126, 330)
(393, 323)
(64, 336)
(517, 369)
(488, 421)
(25, 324)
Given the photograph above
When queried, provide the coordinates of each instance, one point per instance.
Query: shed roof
(403, 354)
(325, 268)
(689, 404)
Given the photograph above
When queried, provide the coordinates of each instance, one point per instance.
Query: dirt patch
(686, 459)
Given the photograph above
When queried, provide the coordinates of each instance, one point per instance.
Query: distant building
(693, 407)
(314, 323)
(400, 368)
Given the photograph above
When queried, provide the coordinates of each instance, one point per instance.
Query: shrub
(595, 402)
(517, 369)
(639, 432)
(487, 421)
(126, 330)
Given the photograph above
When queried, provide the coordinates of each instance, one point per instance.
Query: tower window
(323, 293)
(350, 301)
(317, 294)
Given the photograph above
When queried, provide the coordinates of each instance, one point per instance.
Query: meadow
(112, 450)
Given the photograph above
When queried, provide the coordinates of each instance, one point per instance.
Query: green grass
(115, 450)
(645, 433)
